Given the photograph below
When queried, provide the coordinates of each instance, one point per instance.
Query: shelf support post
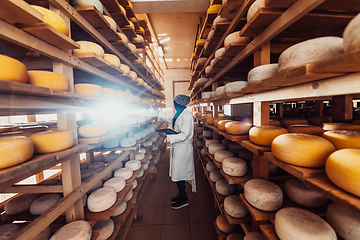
(261, 113)
(342, 108)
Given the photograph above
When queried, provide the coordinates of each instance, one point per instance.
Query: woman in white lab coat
(182, 167)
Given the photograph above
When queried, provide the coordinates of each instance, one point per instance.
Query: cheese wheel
(20, 203)
(140, 81)
(223, 224)
(210, 121)
(235, 87)
(128, 142)
(138, 38)
(88, 90)
(345, 223)
(215, 175)
(91, 131)
(210, 166)
(254, 236)
(307, 129)
(43, 235)
(343, 167)
(117, 183)
(111, 156)
(12, 70)
(96, 3)
(141, 173)
(351, 35)
(76, 230)
(201, 61)
(211, 141)
(89, 47)
(86, 174)
(298, 224)
(262, 72)
(220, 19)
(219, 52)
(52, 141)
(129, 195)
(214, 8)
(224, 188)
(264, 135)
(206, 95)
(126, 173)
(111, 22)
(275, 122)
(134, 184)
(140, 156)
(96, 165)
(254, 8)
(343, 138)
(125, 68)
(43, 203)
(220, 91)
(203, 152)
(297, 191)
(8, 230)
(120, 209)
(200, 41)
(52, 80)
(84, 165)
(104, 228)
(235, 167)
(133, 74)
(310, 51)
(147, 143)
(53, 19)
(235, 39)
(113, 59)
(340, 126)
(15, 150)
(235, 207)
(112, 143)
(133, 164)
(263, 195)
(220, 156)
(106, 177)
(206, 116)
(132, 47)
(287, 122)
(302, 150)
(207, 133)
(202, 80)
(207, 70)
(101, 199)
(238, 127)
(235, 236)
(213, 148)
(221, 124)
(108, 93)
(318, 121)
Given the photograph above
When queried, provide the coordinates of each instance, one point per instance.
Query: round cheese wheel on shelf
(210, 121)
(223, 224)
(53, 19)
(213, 148)
(307, 129)
(15, 150)
(201, 61)
(224, 188)
(275, 122)
(89, 47)
(215, 175)
(217, 120)
(120, 209)
(345, 223)
(287, 122)
(133, 164)
(84, 165)
(141, 173)
(76, 230)
(210, 166)
(262, 72)
(200, 41)
(263, 195)
(220, 156)
(220, 19)
(104, 228)
(207, 133)
(343, 138)
(298, 224)
(111, 22)
(8, 230)
(219, 52)
(206, 95)
(297, 191)
(221, 124)
(125, 68)
(351, 35)
(113, 59)
(43, 235)
(52, 141)
(86, 174)
(310, 51)
(52, 80)
(110, 157)
(12, 70)
(302, 150)
(96, 165)
(264, 135)
(126, 173)
(211, 141)
(235, 207)
(133, 74)
(132, 47)
(124, 38)
(106, 177)
(129, 195)
(342, 167)
(234, 38)
(254, 236)
(238, 127)
(43, 203)
(254, 8)
(101, 199)
(128, 142)
(204, 152)
(318, 121)
(20, 203)
(341, 126)
(235, 87)
(134, 184)
(235, 167)
(138, 38)
(117, 183)
(220, 91)
(208, 69)
(139, 156)
(88, 90)
(112, 143)
(96, 3)
(214, 8)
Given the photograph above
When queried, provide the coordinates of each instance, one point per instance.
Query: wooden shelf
(25, 216)
(122, 217)
(230, 8)
(18, 11)
(232, 50)
(138, 44)
(235, 138)
(343, 64)
(233, 220)
(237, 180)
(269, 231)
(206, 52)
(102, 139)
(221, 235)
(256, 149)
(129, 32)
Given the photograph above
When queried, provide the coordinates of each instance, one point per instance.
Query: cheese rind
(215, 175)
(77, 230)
(133, 164)
(307, 129)
(238, 127)
(224, 188)
(287, 122)
(91, 131)
(235, 167)
(343, 138)
(262, 72)
(15, 150)
(101, 199)
(213, 148)
(12, 70)
(120, 209)
(88, 90)
(351, 35)
(51, 80)
(234, 38)
(254, 8)
(89, 47)
(210, 166)
(254, 236)
(220, 156)
(223, 224)
(264, 135)
(113, 59)
(341, 126)
(235, 87)
(43, 203)
(53, 19)
(20, 203)
(220, 91)
(125, 173)
(52, 141)
(235, 207)
(117, 183)
(104, 228)
(211, 141)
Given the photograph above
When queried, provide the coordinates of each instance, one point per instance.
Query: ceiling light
(178, 59)
(162, 34)
(168, 60)
(164, 40)
(161, 60)
(160, 50)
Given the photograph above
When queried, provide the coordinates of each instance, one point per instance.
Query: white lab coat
(181, 148)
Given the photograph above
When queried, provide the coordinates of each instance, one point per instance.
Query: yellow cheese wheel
(12, 70)
(125, 68)
(318, 121)
(142, 30)
(343, 169)
(302, 150)
(217, 120)
(52, 141)
(287, 122)
(88, 90)
(132, 47)
(120, 95)
(131, 25)
(122, 9)
(221, 115)
(113, 59)
(140, 81)
(343, 138)
(53, 20)
(108, 92)
(238, 127)
(206, 116)
(308, 129)
(89, 47)
(264, 135)
(341, 126)
(210, 121)
(214, 8)
(200, 41)
(221, 125)
(15, 150)
(275, 122)
(133, 74)
(223, 224)
(139, 38)
(52, 80)
(111, 22)
(89, 131)
(123, 38)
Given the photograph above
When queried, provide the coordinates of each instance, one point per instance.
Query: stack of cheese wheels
(126, 173)
(128, 142)
(101, 199)
(220, 91)
(43, 203)
(213, 148)
(88, 90)
(91, 131)
(12, 70)
(235, 167)
(351, 36)
(299, 224)
(53, 19)
(235, 236)
(275, 122)
(343, 138)
(89, 47)
(287, 122)
(20, 203)
(238, 127)
(120, 209)
(302, 150)
(224, 188)
(264, 135)
(223, 224)
(52, 80)
(235, 148)
(263, 195)
(210, 166)
(342, 167)
(207, 133)
(262, 72)
(76, 230)
(307, 129)
(345, 223)
(310, 51)
(297, 191)
(215, 175)
(254, 236)
(211, 141)
(52, 141)
(133, 164)
(96, 3)
(235, 87)
(113, 59)
(220, 156)
(235, 39)
(235, 207)
(221, 125)
(254, 8)
(341, 126)
(117, 183)
(15, 150)
(104, 228)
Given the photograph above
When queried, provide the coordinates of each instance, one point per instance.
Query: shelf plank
(269, 231)
(139, 44)
(129, 32)
(209, 49)
(113, 70)
(343, 64)
(18, 11)
(257, 149)
(91, 14)
(122, 217)
(119, 18)
(237, 180)
(230, 8)
(26, 216)
(233, 220)
(233, 49)
(93, 59)
(257, 214)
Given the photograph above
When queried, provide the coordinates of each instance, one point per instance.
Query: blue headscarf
(180, 103)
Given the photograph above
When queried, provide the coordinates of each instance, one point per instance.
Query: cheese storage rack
(25, 36)
(335, 80)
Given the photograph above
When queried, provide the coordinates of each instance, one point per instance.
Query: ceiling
(175, 23)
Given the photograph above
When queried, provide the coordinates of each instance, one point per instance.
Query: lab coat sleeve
(165, 118)
(185, 131)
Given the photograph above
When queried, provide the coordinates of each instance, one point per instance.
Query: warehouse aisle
(161, 222)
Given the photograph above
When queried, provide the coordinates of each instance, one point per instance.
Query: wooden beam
(319, 108)
(261, 113)
(262, 56)
(33, 189)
